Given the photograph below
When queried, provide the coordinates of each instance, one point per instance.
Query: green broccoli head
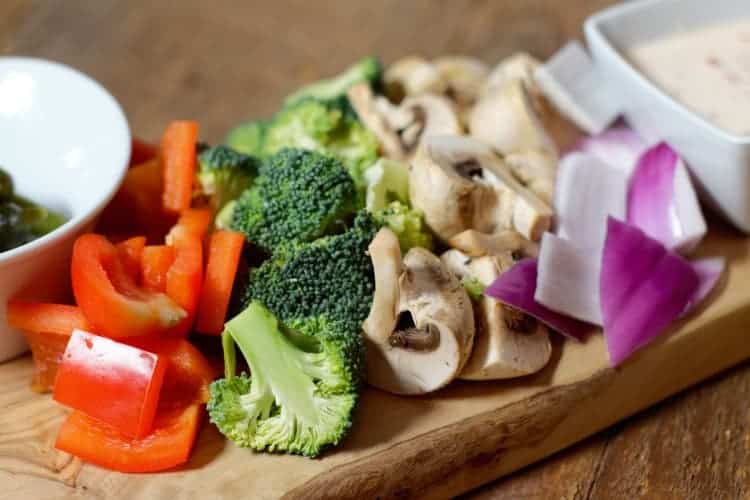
(248, 138)
(332, 276)
(368, 70)
(408, 225)
(298, 196)
(327, 126)
(223, 174)
(304, 386)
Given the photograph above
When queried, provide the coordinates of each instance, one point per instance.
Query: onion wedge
(588, 191)
(644, 288)
(618, 146)
(568, 279)
(662, 201)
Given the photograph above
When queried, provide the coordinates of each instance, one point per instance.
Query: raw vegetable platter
(630, 247)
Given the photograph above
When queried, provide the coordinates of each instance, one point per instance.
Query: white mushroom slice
(505, 119)
(401, 128)
(459, 184)
(412, 76)
(385, 253)
(363, 102)
(537, 170)
(507, 343)
(476, 244)
(520, 66)
(434, 331)
(464, 77)
(433, 115)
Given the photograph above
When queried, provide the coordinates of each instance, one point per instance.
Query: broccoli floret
(408, 225)
(387, 181)
(298, 196)
(331, 276)
(327, 126)
(368, 70)
(303, 387)
(248, 138)
(223, 174)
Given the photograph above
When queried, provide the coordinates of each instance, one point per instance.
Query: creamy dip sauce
(706, 69)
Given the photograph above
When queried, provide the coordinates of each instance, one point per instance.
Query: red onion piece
(644, 288)
(516, 286)
(568, 279)
(618, 146)
(662, 201)
(588, 191)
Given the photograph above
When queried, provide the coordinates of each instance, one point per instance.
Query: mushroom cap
(505, 118)
(464, 77)
(537, 170)
(502, 348)
(411, 76)
(459, 184)
(435, 302)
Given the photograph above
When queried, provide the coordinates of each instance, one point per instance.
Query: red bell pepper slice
(47, 328)
(113, 382)
(141, 151)
(178, 418)
(178, 155)
(224, 254)
(110, 299)
(185, 277)
(155, 264)
(130, 252)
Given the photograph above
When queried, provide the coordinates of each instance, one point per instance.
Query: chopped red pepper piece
(176, 425)
(223, 259)
(47, 328)
(113, 382)
(178, 155)
(111, 300)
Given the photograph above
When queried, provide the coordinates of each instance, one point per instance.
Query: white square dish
(718, 160)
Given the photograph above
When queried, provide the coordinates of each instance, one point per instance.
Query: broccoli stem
(274, 362)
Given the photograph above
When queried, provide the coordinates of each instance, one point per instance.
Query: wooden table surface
(221, 62)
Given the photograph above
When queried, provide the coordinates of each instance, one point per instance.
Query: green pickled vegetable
(21, 220)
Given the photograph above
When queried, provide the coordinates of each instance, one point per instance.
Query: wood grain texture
(224, 61)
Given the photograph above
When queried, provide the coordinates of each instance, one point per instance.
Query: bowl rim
(593, 29)
(79, 221)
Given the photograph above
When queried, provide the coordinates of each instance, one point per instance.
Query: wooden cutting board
(433, 447)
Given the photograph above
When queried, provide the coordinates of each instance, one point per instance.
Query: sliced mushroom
(508, 343)
(433, 330)
(537, 170)
(385, 253)
(459, 184)
(505, 118)
(365, 104)
(400, 129)
(412, 76)
(476, 244)
(520, 66)
(464, 77)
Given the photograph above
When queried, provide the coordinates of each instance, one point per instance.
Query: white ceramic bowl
(66, 143)
(719, 161)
